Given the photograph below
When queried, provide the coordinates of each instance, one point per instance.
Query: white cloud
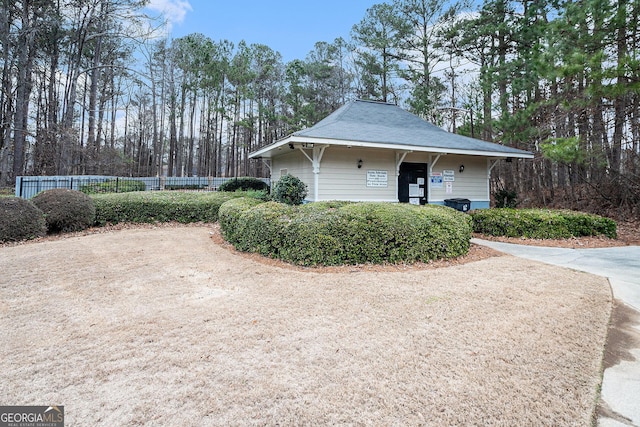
(173, 11)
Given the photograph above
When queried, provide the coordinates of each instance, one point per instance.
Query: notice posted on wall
(377, 178)
(436, 180)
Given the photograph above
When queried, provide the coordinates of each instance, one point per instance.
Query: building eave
(282, 146)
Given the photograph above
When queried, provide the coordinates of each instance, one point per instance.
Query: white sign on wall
(436, 180)
(377, 178)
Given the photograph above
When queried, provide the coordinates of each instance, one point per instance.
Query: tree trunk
(620, 101)
(23, 88)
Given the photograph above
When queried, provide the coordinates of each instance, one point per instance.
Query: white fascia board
(268, 151)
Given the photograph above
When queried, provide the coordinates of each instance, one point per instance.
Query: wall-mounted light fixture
(461, 168)
(359, 163)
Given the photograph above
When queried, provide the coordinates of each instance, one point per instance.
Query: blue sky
(290, 27)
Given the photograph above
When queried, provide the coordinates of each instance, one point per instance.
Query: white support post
(399, 159)
(316, 160)
(400, 156)
(318, 152)
(490, 165)
(432, 163)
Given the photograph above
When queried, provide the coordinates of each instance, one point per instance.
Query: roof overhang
(294, 141)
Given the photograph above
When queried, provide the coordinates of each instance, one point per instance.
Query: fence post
(117, 184)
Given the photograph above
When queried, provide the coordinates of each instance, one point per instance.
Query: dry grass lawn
(168, 327)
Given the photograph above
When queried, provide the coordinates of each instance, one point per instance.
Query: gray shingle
(379, 122)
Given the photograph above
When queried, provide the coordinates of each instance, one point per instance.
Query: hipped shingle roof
(379, 124)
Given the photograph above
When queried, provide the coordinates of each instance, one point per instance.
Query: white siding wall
(472, 184)
(297, 165)
(340, 178)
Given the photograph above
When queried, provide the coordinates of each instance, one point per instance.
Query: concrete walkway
(621, 265)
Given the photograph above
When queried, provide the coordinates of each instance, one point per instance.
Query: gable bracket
(492, 164)
(305, 154)
(433, 163)
(400, 155)
(266, 164)
(317, 153)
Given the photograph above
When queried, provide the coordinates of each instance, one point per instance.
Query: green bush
(244, 183)
(159, 206)
(334, 233)
(290, 190)
(184, 186)
(65, 210)
(255, 194)
(113, 186)
(506, 198)
(541, 223)
(20, 219)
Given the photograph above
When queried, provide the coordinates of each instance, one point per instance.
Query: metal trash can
(462, 205)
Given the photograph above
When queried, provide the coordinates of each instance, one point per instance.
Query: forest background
(95, 87)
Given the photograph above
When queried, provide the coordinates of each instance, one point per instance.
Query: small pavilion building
(375, 151)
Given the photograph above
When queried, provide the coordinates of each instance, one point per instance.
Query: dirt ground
(168, 325)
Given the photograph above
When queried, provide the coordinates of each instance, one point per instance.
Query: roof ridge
(372, 101)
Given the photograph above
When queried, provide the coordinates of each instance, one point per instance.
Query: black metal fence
(29, 186)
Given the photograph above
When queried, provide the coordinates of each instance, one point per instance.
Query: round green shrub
(334, 233)
(244, 183)
(290, 190)
(66, 210)
(20, 219)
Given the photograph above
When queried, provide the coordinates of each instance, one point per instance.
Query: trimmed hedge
(20, 219)
(114, 186)
(252, 225)
(541, 223)
(244, 183)
(159, 206)
(65, 210)
(334, 233)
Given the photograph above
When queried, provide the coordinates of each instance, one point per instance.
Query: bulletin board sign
(377, 178)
